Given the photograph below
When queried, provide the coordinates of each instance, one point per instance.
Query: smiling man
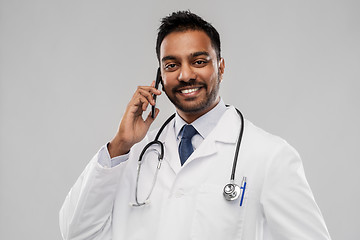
(176, 179)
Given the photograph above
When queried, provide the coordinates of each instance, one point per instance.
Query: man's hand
(133, 128)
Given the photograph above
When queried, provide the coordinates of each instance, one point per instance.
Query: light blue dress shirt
(203, 125)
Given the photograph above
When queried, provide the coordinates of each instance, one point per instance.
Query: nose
(186, 73)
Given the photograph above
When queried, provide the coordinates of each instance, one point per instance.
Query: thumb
(149, 120)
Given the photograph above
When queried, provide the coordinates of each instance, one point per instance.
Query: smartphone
(157, 81)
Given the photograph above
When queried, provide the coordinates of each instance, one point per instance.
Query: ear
(221, 67)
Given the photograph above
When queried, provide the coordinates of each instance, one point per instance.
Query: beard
(193, 105)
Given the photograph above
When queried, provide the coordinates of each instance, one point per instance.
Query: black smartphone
(157, 82)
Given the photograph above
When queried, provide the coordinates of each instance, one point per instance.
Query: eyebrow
(195, 54)
(168, 58)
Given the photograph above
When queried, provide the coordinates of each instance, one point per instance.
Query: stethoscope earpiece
(231, 191)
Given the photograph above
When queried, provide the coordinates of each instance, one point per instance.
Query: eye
(200, 63)
(170, 66)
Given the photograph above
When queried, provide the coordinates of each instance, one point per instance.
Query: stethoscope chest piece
(231, 191)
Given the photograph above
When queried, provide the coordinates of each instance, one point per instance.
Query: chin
(193, 107)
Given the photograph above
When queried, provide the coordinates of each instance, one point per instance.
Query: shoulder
(255, 133)
(266, 141)
(252, 133)
(255, 139)
(269, 152)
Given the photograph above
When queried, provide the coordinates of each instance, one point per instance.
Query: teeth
(189, 90)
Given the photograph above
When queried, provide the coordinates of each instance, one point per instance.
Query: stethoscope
(231, 191)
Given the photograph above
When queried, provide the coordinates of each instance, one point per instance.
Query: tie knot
(188, 132)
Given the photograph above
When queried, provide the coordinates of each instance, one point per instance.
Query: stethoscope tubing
(228, 196)
(238, 144)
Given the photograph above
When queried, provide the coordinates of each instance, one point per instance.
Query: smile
(186, 91)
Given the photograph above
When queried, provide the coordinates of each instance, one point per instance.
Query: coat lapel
(226, 131)
(171, 151)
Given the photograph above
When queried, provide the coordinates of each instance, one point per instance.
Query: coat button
(179, 193)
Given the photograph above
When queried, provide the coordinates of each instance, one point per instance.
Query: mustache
(188, 84)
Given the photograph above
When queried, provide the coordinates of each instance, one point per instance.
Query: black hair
(185, 20)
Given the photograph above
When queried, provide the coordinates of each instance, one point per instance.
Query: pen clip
(242, 190)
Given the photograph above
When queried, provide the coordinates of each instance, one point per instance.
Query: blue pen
(242, 190)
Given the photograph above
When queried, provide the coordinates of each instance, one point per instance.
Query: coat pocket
(215, 217)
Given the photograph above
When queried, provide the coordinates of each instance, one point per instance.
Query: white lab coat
(187, 202)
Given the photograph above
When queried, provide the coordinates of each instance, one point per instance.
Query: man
(184, 198)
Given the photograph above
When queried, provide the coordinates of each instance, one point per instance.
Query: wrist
(117, 148)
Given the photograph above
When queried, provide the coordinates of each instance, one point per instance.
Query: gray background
(68, 69)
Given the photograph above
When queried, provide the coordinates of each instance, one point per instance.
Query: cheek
(210, 71)
(210, 77)
(167, 84)
(169, 80)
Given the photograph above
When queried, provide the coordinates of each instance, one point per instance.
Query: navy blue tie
(185, 147)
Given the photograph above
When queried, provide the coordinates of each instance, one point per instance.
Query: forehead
(185, 43)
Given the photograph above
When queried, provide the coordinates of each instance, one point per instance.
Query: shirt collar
(204, 124)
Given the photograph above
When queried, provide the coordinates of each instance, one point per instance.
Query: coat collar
(227, 130)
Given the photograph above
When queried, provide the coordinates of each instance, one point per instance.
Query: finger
(149, 119)
(157, 110)
(145, 105)
(148, 96)
(140, 102)
(144, 102)
(149, 89)
(153, 84)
